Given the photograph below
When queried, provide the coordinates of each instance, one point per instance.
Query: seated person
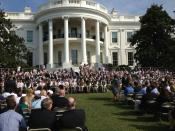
(165, 96)
(36, 104)
(1, 97)
(59, 99)
(172, 120)
(149, 96)
(128, 89)
(18, 109)
(154, 85)
(137, 86)
(23, 104)
(10, 120)
(73, 117)
(44, 117)
(143, 89)
(39, 96)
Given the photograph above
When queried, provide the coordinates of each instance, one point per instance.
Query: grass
(102, 114)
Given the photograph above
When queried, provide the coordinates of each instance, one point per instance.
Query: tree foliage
(155, 43)
(12, 48)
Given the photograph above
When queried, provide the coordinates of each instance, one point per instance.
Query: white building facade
(67, 33)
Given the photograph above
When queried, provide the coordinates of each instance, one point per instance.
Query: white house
(66, 33)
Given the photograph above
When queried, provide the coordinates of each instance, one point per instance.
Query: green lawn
(102, 114)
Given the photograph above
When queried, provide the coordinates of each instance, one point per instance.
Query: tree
(155, 45)
(12, 48)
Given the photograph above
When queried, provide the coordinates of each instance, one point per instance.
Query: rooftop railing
(21, 15)
(74, 3)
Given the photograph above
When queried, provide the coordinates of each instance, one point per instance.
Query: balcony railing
(74, 35)
(71, 35)
(21, 15)
(75, 3)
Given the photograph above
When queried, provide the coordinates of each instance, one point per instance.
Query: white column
(66, 42)
(123, 60)
(40, 47)
(50, 43)
(106, 45)
(65, 1)
(97, 43)
(83, 41)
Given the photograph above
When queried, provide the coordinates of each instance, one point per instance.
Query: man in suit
(73, 117)
(59, 99)
(44, 117)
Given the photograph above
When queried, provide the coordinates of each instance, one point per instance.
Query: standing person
(116, 85)
(73, 117)
(11, 120)
(10, 85)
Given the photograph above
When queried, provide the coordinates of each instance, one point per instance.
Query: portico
(74, 40)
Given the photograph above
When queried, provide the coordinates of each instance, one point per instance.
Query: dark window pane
(29, 36)
(130, 58)
(115, 58)
(114, 37)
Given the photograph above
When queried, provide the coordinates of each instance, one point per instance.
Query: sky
(125, 7)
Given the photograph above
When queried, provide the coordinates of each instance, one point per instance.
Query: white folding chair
(73, 129)
(40, 129)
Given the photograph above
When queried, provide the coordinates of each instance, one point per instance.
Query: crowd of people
(86, 80)
(150, 91)
(42, 92)
(43, 111)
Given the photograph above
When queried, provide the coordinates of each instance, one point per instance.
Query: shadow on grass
(119, 105)
(156, 127)
(100, 99)
(139, 119)
(127, 113)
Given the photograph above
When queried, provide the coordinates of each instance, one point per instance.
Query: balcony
(73, 3)
(71, 35)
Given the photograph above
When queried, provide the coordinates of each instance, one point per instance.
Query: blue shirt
(36, 104)
(128, 90)
(11, 121)
(155, 91)
(143, 91)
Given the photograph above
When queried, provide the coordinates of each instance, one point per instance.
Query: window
(30, 58)
(101, 36)
(130, 58)
(129, 35)
(74, 32)
(115, 58)
(29, 36)
(74, 54)
(45, 36)
(114, 37)
(59, 34)
(87, 33)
